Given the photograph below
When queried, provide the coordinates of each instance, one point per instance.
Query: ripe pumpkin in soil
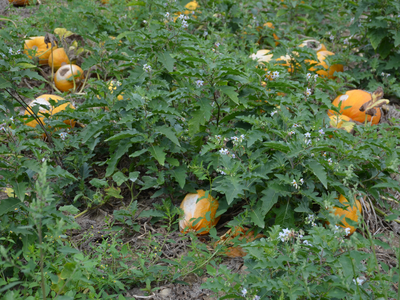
(355, 99)
(329, 71)
(64, 77)
(348, 212)
(19, 2)
(44, 100)
(42, 49)
(196, 206)
(58, 58)
(244, 237)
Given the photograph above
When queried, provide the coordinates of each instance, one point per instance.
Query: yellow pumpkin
(354, 99)
(191, 7)
(58, 58)
(37, 46)
(329, 71)
(44, 100)
(348, 212)
(64, 77)
(196, 206)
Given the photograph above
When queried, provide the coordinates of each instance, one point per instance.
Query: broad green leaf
(318, 170)
(158, 153)
(67, 271)
(280, 146)
(375, 36)
(396, 38)
(4, 83)
(26, 65)
(9, 204)
(269, 199)
(98, 183)
(231, 187)
(230, 92)
(167, 60)
(119, 178)
(31, 75)
(121, 150)
(169, 133)
(113, 192)
(257, 216)
(123, 134)
(69, 208)
(180, 175)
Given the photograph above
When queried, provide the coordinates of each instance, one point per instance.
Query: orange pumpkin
(37, 46)
(58, 58)
(244, 237)
(197, 206)
(44, 100)
(64, 77)
(329, 71)
(348, 212)
(19, 2)
(355, 99)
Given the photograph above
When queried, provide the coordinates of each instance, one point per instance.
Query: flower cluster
(311, 220)
(272, 75)
(224, 151)
(309, 76)
(147, 68)
(308, 92)
(297, 184)
(237, 140)
(63, 135)
(284, 235)
(383, 74)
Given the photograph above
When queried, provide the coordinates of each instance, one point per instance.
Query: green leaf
(280, 146)
(158, 153)
(98, 183)
(269, 199)
(375, 36)
(230, 92)
(167, 60)
(119, 178)
(25, 65)
(169, 133)
(180, 175)
(137, 153)
(20, 190)
(69, 208)
(396, 38)
(31, 75)
(123, 147)
(318, 170)
(9, 204)
(257, 215)
(123, 135)
(4, 83)
(231, 187)
(68, 270)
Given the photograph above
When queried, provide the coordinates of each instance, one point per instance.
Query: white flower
(358, 281)
(295, 125)
(199, 83)
(330, 161)
(205, 33)
(346, 41)
(331, 37)
(307, 243)
(284, 235)
(307, 135)
(144, 21)
(233, 156)
(147, 68)
(185, 24)
(2, 128)
(308, 75)
(235, 138)
(336, 229)
(382, 74)
(387, 75)
(290, 133)
(218, 137)
(12, 119)
(324, 154)
(308, 142)
(312, 154)
(256, 297)
(63, 135)
(167, 15)
(315, 76)
(183, 119)
(321, 132)
(181, 16)
(274, 112)
(223, 173)
(244, 292)
(10, 51)
(294, 183)
(301, 180)
(308, 91)
(224, 151)
(275, 74)
(43, 159)
(351, 20)
(347, 231)
(217, 44)
(242, 136)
